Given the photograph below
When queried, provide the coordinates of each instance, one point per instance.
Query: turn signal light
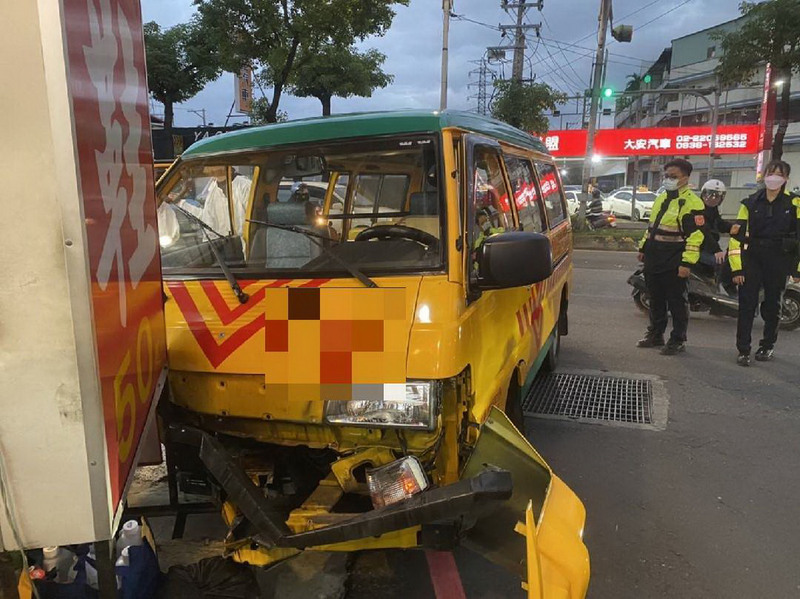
(397, 481)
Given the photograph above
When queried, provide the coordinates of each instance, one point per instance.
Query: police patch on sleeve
(699, 220)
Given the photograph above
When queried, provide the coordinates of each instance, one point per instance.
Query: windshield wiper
(223, 266)
(316, 237)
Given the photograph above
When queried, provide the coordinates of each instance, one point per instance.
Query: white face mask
(670, 184)
(774, 182)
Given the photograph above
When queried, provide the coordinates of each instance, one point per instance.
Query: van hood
(315, 339)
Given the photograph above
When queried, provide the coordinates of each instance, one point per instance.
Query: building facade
(687, 65)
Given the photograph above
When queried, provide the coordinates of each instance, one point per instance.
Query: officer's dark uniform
(765, 252)
(673, 239)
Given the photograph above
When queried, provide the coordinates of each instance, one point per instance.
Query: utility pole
(519, 45)
(597, 77)
(519, 28)
(201, 113)
(447, 7)
(639, 101)
(714, 119)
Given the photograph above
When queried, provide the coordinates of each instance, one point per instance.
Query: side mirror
(514, 259)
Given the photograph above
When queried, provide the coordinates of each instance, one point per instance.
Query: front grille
(595, 397)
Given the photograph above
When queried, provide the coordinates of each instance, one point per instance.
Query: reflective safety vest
(782, 240)
(673, 222)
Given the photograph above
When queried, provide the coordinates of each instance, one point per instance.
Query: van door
(493, 317)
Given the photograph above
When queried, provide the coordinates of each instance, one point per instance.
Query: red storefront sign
(655, 141)
(108, 92)
(567, 142)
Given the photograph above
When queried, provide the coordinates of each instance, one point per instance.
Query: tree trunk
(326, 105)
(783, 123)
(277, 90)
(169, 117)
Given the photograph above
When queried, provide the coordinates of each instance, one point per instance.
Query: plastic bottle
(91, 571)
(63, 561)
(130, 536)
(124, 557)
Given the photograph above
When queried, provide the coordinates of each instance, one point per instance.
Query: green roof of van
(366, 124)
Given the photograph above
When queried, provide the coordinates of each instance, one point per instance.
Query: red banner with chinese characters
(108, 92)
(655, 141)
(767, 119)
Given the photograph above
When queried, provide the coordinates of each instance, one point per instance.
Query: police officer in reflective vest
(668, 249)
(762, 255)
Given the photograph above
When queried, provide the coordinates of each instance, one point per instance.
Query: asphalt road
(708, 507)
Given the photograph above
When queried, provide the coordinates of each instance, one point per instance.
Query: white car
(573, 202)
(619, 203)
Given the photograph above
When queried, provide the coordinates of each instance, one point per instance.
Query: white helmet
(713, 192)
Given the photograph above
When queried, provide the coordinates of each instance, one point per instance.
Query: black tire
(790, 311)
(637, 216)
(514, 405)
(642, 301)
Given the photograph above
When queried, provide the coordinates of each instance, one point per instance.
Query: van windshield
(375, 204)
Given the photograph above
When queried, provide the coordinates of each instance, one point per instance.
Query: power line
(569, 63)
(467, 19)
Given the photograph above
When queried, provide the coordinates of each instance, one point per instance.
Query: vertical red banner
(108, 92)
(767, 119)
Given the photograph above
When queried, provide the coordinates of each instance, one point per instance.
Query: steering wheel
(397, 232)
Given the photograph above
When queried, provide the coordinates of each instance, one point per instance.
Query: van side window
(552, 194)
(492, 208)
(526, 196)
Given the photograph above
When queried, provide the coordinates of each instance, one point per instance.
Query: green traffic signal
(647, 78)
(608, 92)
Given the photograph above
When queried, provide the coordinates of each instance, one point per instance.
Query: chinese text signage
(655, 141)
(108, 92)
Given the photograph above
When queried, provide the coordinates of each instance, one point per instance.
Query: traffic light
(608, 92)
(647, 78)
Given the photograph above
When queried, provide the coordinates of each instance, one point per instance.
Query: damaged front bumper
(462, 502)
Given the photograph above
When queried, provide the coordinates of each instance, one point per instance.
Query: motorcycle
(602, 221)
(706, 295)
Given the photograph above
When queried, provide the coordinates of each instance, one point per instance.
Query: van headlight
(417, 410)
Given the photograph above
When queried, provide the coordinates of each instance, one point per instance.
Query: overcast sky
(561, 58)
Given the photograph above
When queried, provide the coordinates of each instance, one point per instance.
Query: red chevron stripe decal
(216, 353)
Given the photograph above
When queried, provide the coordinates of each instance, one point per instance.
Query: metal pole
(519, 45)
(636, 160)
(713, 142)
(597, 77)
(447, 6)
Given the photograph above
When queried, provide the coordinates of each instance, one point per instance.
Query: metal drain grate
(608, 398)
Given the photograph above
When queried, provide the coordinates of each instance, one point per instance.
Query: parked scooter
(707, 295)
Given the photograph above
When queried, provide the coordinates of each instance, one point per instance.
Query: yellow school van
(355, 307)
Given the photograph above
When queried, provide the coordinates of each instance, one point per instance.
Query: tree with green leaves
(770, 34)
(276, 37)
(522, 105)
(339, 71)
(258, 112)
(179, 64)
(634, 84)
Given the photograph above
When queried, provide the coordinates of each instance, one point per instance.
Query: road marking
(444, 575)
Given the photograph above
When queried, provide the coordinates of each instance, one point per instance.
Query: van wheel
(514, 406)
(551, 359)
